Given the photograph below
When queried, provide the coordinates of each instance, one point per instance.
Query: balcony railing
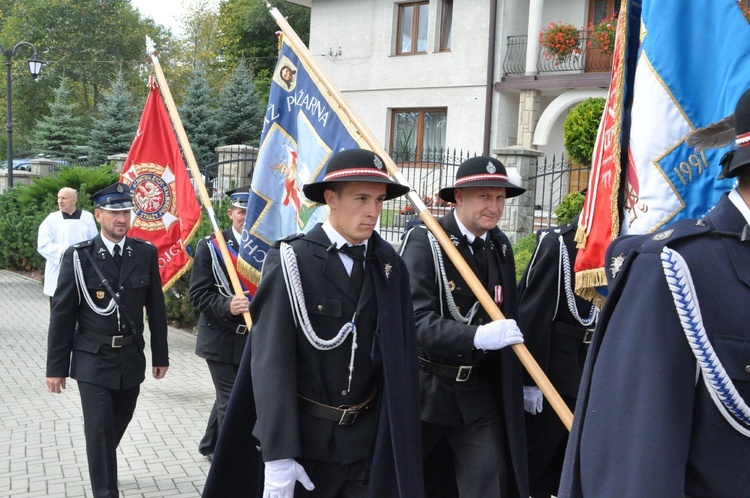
(587, 60)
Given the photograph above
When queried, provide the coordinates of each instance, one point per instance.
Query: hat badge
(491, 168)
(377, 162)
(120, 189)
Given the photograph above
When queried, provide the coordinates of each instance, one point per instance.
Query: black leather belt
(113, 341)
(460, 373)
(581, 333)
(344, 415)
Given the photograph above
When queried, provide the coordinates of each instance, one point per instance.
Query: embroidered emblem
(387, 270)
(451, 285)
(154, 201)
(504, 248)
(491, 168)
(663, 235)
(100, 294)
(454, 239)
(616, 264)
(377, 162)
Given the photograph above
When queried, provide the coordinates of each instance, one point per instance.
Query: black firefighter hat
(735, 159)
(115, 197)
(354, 165)
(481, 171)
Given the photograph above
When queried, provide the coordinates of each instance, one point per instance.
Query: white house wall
(374, 81)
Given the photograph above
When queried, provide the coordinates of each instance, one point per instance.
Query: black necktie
(357, 253)
(117, 256)
(480, 255)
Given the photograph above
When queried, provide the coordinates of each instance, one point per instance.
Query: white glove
(533, 400)
(497, 335)
(282, 475)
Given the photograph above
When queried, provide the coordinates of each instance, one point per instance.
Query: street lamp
(35, 67)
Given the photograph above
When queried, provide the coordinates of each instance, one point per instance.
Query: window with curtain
(446, 24)
(418, 134)
(412, 28)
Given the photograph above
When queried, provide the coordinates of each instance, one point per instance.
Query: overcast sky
(164, 12)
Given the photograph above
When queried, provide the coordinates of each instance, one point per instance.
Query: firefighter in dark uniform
(471, 382)
(222, 332)
(663, 406)
(558, 326)
(96, 330)
(333, 355)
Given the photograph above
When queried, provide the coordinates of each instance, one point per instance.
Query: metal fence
(554, 179)
(584, 58)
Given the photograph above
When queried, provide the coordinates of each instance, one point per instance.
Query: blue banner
(692, 67)
(302, 129)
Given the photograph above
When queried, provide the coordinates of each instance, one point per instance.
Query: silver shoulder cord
(81, 287)
(222, 284)
(290, 270)
(720, 387)
(569, 294)
(444, 286)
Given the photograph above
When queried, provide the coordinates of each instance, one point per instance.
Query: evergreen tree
(60, 133)
(199, 119)
(114, 130)
(240, 109)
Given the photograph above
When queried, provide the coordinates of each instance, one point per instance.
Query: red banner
(166, 211)
(600, 222)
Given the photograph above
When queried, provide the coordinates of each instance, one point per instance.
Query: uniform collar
(336, 237)
(740, 204)
(465, 231)
(111, 245)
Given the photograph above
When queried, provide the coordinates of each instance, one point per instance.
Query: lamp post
(35, 67)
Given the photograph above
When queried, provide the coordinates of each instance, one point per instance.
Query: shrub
(569, 207)
(522, 251)
(580, 128)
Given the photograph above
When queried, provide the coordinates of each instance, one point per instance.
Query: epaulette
(84, 243)
(142, 241)
(679, 230)
(288, 238)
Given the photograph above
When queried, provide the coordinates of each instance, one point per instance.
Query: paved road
(42, 450)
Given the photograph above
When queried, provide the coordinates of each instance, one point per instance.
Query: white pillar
(532, 35)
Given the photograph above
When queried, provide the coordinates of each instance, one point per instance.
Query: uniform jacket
(55, 235)
(442, 340)
(284, 364)
(645, 424)
(554, 336)
(70, 353)
(545, 317)
(218, 339)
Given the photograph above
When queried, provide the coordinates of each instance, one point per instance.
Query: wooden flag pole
(198, 180)
(553, 397)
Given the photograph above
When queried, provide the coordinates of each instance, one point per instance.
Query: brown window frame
(446, 25)
(414, 28)
(418, 152)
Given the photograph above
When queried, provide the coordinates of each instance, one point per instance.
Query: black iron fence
(582, 58)
(554, 179)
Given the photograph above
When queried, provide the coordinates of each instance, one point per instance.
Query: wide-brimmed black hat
(354, 165)
(735, 159)
(481, 171)
(239, 196)
(116, 197)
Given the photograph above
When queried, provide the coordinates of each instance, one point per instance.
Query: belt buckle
(241, 329)
(348, 416)
(114, 341)
(463, 373)
(588, 335)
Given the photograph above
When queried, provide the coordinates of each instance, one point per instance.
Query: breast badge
(100, 294)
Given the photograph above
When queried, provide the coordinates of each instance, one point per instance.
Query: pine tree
(114, 130)
(199, 119)
(61, 133)
(240, 110)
